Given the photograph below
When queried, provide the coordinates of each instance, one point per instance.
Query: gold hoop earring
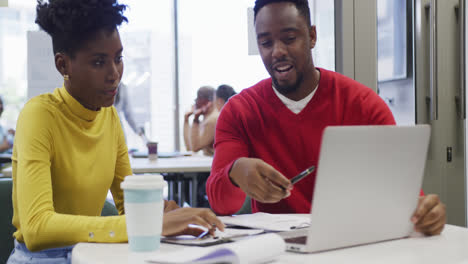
(66, 77)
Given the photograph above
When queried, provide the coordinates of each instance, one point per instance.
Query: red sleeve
(225, 198)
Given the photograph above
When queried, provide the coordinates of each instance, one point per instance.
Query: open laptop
(367, 187)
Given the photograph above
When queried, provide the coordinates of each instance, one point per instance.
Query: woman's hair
(225, 92)
(72, 23)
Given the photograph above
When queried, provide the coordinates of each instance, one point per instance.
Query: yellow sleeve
(41, 226)
(122, 169)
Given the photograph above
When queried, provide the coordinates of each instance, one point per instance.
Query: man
(200, 135)
(272, 131)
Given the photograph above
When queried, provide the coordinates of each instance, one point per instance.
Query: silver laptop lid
(368, 182)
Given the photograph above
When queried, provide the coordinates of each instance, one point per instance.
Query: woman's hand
(170, 205)
(176, 222)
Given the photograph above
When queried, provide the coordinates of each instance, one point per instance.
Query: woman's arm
(40, 225)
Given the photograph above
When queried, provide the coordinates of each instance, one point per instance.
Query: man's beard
(287, 89)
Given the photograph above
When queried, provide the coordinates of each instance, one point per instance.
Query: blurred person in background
(123, 107)
(6, 137)
(222, 95)
(200, 134)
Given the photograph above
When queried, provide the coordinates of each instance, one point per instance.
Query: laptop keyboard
(297, 240)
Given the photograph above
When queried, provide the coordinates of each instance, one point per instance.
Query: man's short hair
(301, 5)
(225, 91)
(206, 92)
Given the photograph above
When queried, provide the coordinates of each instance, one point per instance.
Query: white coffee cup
(144, 208)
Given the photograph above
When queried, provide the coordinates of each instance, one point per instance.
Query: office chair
(6, 214)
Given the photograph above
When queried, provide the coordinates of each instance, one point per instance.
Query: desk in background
(5, 157)
(166, 165)
(451, 247)
(7, 172)
(179, 169)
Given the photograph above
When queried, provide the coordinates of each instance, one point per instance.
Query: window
(395, 81)
(148, 41)
(15, 21)
(391, 39)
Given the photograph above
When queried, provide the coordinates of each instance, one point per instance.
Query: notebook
(367, 186)
(250, 250)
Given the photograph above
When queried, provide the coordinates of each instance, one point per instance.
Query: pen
(204, 234)
(301, 175)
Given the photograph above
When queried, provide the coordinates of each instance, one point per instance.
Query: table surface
(449, 247)
(195, 163)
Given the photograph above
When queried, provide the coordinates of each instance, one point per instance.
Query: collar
(76, 108)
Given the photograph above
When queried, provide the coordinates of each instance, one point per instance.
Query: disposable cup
(152, 150)
(144, 208)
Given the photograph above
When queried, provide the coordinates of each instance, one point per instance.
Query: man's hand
(176, 222)
(196, 115)
(430, 216)
(189, 113)
(202, 110)
(259, 180)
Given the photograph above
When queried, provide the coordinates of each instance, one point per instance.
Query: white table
(194, 163)
(185, 167)
(450, 247)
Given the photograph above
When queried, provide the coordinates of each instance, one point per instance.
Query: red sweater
(257, 124)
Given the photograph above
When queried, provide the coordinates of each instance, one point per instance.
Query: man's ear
(313, 36)
(62, 63)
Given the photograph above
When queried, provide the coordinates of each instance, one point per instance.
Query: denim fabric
(21, 255)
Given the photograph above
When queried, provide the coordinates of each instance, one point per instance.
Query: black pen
(301, 175)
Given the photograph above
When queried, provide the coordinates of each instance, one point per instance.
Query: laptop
(367, 187)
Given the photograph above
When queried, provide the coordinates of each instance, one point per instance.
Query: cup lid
(143, 182)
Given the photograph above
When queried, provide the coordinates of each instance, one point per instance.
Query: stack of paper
(270, 222)
(250, 250)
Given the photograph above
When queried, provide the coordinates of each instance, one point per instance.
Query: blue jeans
(21, 254)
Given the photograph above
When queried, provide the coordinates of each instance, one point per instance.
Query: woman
(69, 148)
(223, 93)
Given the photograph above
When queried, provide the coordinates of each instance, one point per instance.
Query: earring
(66, 77)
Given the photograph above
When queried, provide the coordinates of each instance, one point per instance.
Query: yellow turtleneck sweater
(65, 159)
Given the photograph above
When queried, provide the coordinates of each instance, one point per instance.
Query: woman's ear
(62, 63)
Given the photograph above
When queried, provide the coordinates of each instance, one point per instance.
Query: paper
(218, 238)
(250, 250)
(270, 222)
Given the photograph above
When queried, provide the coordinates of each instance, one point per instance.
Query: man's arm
(202, 135)
(233, 174)
(187, 130)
